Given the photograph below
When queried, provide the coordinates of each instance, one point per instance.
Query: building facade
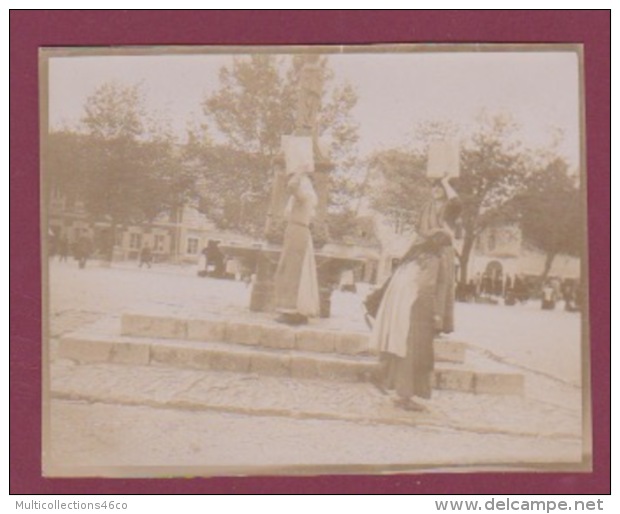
(172, 237)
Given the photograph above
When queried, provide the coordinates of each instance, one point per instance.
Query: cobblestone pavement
(161, 386)
(117, 440)
(113, 415)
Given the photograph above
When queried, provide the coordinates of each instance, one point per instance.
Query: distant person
(52, 243)
(461, 291)
(477, 286)
(498, 285)
(518, 289)
(570, 301)
(510, 299)
(548, 297)
(146, 256)
(569, 294)
(487, 284)
(63, 249)
(215, 258)
(507, 284)
(205, 253)
(83, 250)
(580, 296)
(440, 213)
(472, 290)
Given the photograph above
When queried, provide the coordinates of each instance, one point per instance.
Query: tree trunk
(468, 244)
(548, 263)
(111, 242)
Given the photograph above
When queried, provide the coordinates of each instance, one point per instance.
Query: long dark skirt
(412, 375)
(445, 289)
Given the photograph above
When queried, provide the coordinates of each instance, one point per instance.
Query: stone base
(261, 349)
(91, 348)
(268, 334)
(262, 299)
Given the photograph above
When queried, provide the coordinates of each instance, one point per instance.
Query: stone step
(95, 346)
(268, 334)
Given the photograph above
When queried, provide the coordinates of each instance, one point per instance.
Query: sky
(395, 90)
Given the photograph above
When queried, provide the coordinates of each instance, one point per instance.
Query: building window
(192, 245)
(135, 241)
(159, 242)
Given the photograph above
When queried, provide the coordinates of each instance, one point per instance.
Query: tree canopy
(405, 187)
(500, 182)
(245, 118)
(124, 166)
(551, 212)
(493, 170)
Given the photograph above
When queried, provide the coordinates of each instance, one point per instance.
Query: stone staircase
(265, 347)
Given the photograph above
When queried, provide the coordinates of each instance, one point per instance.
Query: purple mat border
(31, 29)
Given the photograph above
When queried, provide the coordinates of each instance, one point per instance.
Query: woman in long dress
(296, 283)
(407, 321)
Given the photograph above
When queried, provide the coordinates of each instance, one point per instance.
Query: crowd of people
(81, 249)
(509, 290)
(486, 286)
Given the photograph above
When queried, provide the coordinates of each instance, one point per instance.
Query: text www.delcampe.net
(512, 504)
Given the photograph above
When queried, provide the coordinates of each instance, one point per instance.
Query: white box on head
(298, 153)
(443, 159)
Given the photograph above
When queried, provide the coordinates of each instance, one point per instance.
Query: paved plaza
(115, 416)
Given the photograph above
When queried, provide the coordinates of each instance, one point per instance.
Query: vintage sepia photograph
(314, 260)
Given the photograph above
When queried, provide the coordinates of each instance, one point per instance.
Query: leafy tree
(245, 118)
(551, 212)
(347, 226)
(65, 153)
(123, 165)
(500, 182)
(404, 188)
(115, 111)
(232, 187)
(493, 167)
(254, 105)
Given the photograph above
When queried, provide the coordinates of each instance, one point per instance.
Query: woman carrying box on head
(296, 284)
